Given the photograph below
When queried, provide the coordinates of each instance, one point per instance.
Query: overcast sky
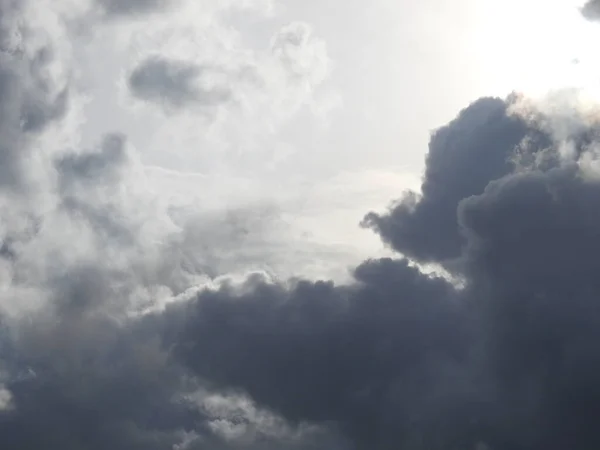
(218, 217)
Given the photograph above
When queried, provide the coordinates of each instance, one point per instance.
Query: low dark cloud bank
(376, 360)
(508, 360)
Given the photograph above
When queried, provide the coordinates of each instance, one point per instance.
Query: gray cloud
(394, 360)
(91, 385)
(115, 8)
(402, 360)
(464, 156)
(86, 183)
(228, 79)
(531, 257)
(376, 360)
(175, 84)
(304, 57)
(30, 97)
(98, 167)
(78, 367)
(591, 10)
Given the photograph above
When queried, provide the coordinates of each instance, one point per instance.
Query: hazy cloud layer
(119, 329)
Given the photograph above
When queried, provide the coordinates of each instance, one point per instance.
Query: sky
(299, 225)
(370, 83)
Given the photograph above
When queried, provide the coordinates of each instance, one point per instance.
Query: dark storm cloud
(533, 260)
(92, 384)
(379, 359)
(174, 84)
(464, 156)
(591, 10)
(86, 381)
(402, 360)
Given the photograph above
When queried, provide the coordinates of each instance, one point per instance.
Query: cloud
(591, 10)
(368, 358)
(195, 66)
(303, 56)
(115, 8)
(77, 397)
(33, 93)
(174, 84)
(97, 167)
(226, 80)
(464, 156)
(5, 399)
(119, 329)
(398, 359)
(532, 241)
(85, 249)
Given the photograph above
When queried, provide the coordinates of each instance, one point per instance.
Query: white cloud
(5, 399)
(233, 88)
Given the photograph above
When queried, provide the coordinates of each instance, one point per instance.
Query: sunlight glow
(536, 46)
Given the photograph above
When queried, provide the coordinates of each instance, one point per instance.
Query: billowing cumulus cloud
(121, 328)
(376, 360)
(530, 258)
(402, 360)
(464, 156)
